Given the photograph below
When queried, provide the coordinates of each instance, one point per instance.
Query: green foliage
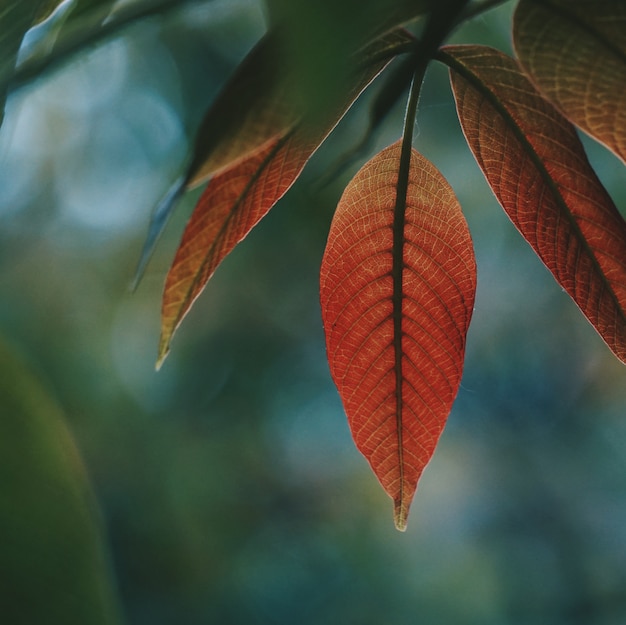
(53, 565)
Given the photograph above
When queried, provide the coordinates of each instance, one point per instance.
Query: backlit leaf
(236, 199)
(396, 316)
(252, 111)
(258, 106)
(538, 170)
(232, 204)
(575, 51)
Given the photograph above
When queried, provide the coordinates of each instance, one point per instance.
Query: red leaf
(238, 197)
(250, 113)
(396, 317)
(264, 100)
(576, 53)
(537, 168)
(232, 204)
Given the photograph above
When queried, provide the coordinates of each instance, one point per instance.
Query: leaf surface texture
(538, 170)
(238, 197)
(575, 51)
(396, 318)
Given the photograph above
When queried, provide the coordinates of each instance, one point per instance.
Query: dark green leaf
(53, 567)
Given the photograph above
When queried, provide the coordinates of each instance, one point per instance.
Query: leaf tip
(157, 224)
(400, 514)
(164, 350)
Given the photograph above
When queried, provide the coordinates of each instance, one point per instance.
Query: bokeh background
(227, 486)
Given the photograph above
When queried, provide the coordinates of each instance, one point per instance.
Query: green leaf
(53, 567)
(86, 26)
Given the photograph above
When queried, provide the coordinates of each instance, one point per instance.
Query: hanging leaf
(251, 112)
(397, 297)
(235, 200)
(575, 51)
(257, 106)
(232, 204)
(537, 168)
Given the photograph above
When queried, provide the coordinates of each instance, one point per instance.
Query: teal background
(228, 487)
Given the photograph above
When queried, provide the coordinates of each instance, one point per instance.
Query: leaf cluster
(398, 277)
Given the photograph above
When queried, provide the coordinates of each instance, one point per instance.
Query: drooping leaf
(575, 51)
(397, 298)
(232, 204)
(257, 106)
(53, 563)
(236, 199)
(538, 170)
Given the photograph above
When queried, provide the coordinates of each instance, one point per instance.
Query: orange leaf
(576, 53)
(236, 199)
(397, 298)
(263, 102)
(537, 168)
(229, 208)
(250, 113)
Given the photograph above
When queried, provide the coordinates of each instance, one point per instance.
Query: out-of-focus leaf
(236, 199)
(318, 39)
(86, 7)
(364, 20)
(575, 51)
(53, 567)
(16, 17)
(80, 31)
(397, 294)
(538, 170)
(257, 106)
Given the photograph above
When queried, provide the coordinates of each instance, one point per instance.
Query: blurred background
(227, 487)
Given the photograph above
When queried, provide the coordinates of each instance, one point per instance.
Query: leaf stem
(441, 22)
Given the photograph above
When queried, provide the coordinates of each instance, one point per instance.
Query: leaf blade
(258, 105)
(397, 391)
(232, 204)
(238, 197)
(575, 51)
(537, 168)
